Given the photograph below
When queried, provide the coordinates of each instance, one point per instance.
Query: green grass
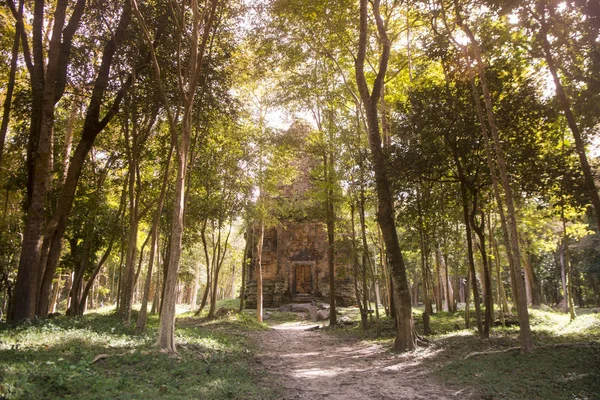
(547, 373)
(278, 317)
(53, 359)
(557, 373)
(229, 303)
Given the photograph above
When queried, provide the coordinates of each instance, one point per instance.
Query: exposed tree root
(479, 353)
(420, 341)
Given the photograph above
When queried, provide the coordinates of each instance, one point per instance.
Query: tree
(544, 12)
(48, 80)
(405, 337)
(94, 124)
(511, 222)
(200, 28)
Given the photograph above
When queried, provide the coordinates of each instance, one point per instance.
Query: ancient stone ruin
(294, 256)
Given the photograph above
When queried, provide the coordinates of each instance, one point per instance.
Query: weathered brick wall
(293, 244)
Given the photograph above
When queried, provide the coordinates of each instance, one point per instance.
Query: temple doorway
(302, 279)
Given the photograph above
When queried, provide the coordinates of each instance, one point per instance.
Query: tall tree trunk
(385, 278)
(222, 251)
(46, 81)
(157, 285)
(361, 307)
(216, 257)
(439, 300)
(405, 335)
(500, 292)
(366, 257)
(563, 100)
(166, 338)
(209, 266)
(464, 184)
(328, 170)
(444, 280)
(532, 280)
(259, 273)
(131, 246)
(469, 235)
(468, 299)
(80, 269)
(93, 125)
(197, 45)
(567, 278)
(424, 268)
(488, 300)
(247, 252)
(142, 316)
(510, 225)
(428, 311)
(449, 290)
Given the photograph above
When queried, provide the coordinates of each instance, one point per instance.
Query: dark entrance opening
(302, 279)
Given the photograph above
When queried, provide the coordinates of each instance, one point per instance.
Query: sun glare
(461, 38)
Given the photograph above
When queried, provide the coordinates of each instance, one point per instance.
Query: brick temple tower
(294, 256)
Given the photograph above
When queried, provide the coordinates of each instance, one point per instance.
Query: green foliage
(55, 359)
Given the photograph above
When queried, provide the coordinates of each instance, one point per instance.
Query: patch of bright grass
(229, 303)
(54, 359)
(554, 373)
(278, 317)
(547, 373)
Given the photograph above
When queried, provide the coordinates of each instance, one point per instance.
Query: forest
(447, 150)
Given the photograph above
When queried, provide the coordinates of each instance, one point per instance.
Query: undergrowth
(56, 359)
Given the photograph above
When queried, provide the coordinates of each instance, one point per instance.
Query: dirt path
(310, 364)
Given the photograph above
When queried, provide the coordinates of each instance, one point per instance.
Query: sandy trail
(310, 364)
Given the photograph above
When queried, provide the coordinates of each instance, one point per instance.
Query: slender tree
(200, 26)
(405, 335)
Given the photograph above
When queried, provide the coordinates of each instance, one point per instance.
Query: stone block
(301, 307)
(323, 315)
(285, 308)
(312, 310)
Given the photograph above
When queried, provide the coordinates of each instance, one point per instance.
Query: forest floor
(234, 357)
(347, 362)
(311, 364)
